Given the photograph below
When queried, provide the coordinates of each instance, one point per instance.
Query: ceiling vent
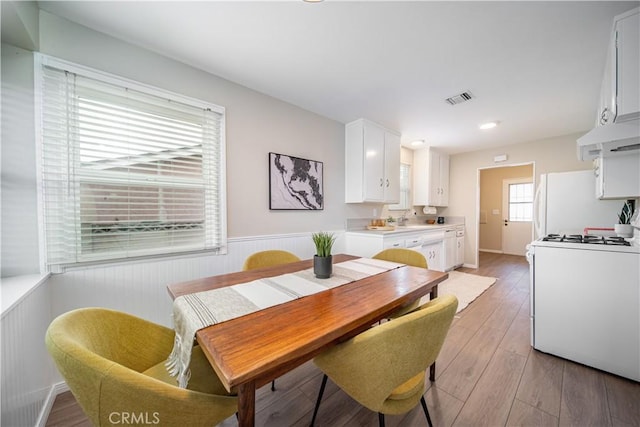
(459, 99)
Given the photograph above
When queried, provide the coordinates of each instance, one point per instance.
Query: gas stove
(587, 239)
(588, 242)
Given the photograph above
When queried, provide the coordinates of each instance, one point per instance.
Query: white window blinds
(127, 172)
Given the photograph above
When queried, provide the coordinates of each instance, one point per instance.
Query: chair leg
(315, 411)
(426, 411)
(273, 385)
(381, 419)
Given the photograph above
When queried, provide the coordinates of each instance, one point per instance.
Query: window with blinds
(127, 170)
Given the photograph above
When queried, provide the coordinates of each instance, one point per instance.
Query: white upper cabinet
(607, 105)
(627, 30)
(430, 178)
(372, 163)
(617, 177)
(620, 90)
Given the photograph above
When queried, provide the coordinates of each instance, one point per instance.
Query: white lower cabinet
(429, 243)
(433, 253)
(450, 253)
(368, 244)
(459, 246)
(459, 251)
(393, 243)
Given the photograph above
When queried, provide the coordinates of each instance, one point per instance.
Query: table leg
(434, 293)
(246, 404)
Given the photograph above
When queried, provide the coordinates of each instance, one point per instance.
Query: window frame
(41, 61)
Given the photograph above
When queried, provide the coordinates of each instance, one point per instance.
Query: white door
(517, 209)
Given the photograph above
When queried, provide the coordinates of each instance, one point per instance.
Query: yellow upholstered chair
(384, 368)
(114, 365)
(404, 256)
(268, 258)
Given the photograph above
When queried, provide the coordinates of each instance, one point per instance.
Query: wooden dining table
(252, 350)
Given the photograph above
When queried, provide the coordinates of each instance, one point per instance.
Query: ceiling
(535, 67)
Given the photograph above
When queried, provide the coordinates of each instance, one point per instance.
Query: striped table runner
(193, 312)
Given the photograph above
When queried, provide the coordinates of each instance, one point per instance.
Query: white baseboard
(493, 251)
(54, 391)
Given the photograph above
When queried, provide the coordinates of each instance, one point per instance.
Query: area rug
(466, 287)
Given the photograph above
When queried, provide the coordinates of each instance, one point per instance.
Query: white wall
(549, 155)
(19, 253)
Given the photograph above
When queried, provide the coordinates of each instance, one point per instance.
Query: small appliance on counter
(440, 220)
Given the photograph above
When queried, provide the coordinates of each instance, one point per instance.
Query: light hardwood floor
(487, 375)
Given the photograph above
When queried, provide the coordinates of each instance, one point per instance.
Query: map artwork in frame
(294, 183)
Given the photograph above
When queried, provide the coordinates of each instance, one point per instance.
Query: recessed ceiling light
(488, 125)
(417, 142)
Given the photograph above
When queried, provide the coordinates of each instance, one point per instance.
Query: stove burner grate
(587, 239)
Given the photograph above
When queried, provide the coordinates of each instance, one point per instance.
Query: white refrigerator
(566, 203)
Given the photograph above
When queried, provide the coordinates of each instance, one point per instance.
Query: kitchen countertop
(411, 228)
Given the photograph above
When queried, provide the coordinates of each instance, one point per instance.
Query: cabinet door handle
(381, 182)
(387, 183)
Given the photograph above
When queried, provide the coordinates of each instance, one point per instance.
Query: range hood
(610, 140)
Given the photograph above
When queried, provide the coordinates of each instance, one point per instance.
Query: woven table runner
(193, 312)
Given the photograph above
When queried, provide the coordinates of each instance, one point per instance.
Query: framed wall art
(295, 183)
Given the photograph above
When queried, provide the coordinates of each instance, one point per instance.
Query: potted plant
(623, 228)
(323, 261)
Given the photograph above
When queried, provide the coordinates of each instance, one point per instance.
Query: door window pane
(521, 202)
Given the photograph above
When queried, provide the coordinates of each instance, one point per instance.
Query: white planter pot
(623, 230)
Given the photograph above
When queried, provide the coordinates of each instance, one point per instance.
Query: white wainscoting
(140, 288)
(29, 378)
(27, 369)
